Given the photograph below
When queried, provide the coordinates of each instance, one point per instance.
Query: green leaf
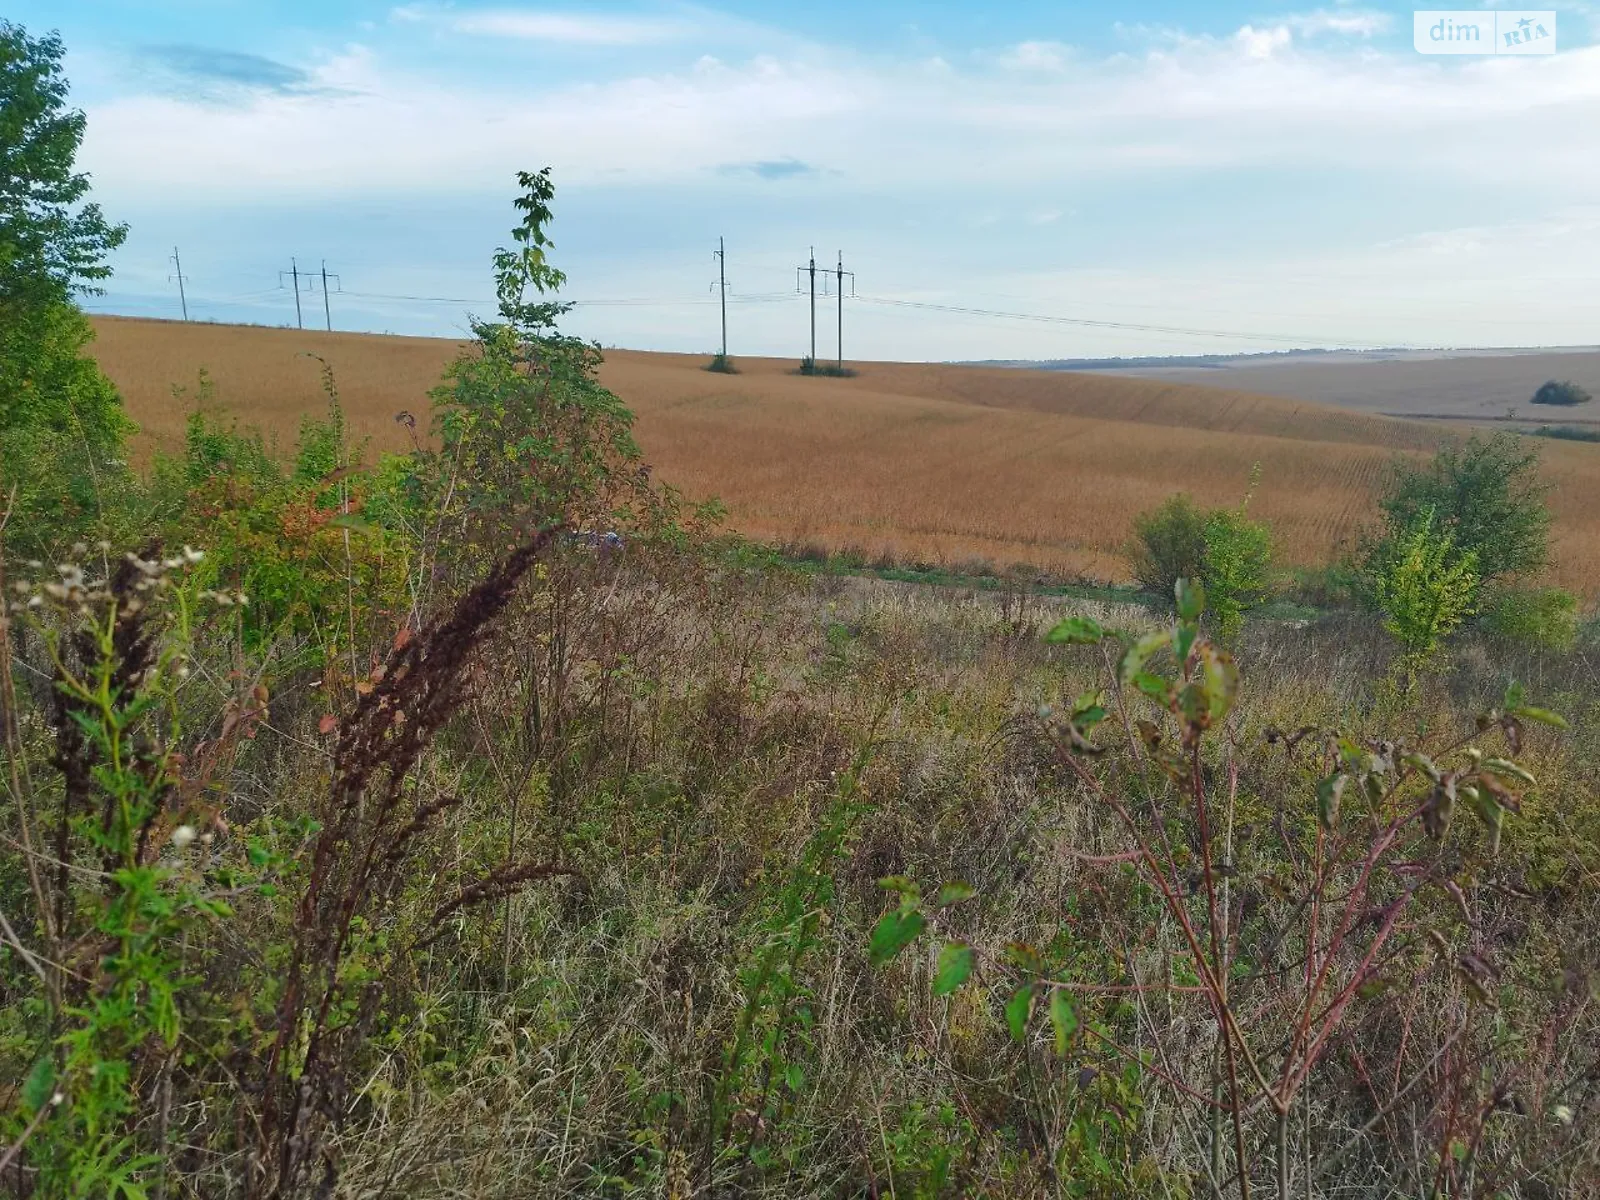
(1157, 688)
(1542, 716)
(1136, 655)
(1018, 1009)
(40, 1085)
(955, 964)
(953, 893)
(1191, 599)
(894, 932)
(1505, 769)
(794, 1077)
(1020, 954)
(1421, 762)
(1329, 792)
(1063, 1018)
(908, 891)
(1183, 641)
(1076, 631)
(1220, 674)
(1375, 986)
(353, 523)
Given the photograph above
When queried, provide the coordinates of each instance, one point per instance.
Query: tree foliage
(61, 423)
(1484, 494)
(521, 414)
(1427, 587)
(52, 243)
(1561, 392)
(1226, 550)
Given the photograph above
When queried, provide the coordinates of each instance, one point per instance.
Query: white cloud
(1036, 56)
(882, 124)
(588, 29)
(1349, 23)
(1263, 43)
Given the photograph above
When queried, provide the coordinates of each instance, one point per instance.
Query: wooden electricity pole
(177, 267)
(809, 273)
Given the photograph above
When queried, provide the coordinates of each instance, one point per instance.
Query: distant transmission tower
(802, 276)
(327, 313)
(177, 268)
(721, 255)
(840, 273)
(295, 275)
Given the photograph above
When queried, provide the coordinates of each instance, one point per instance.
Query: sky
(1129, 178)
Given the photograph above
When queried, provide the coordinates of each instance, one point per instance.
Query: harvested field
(941, 464)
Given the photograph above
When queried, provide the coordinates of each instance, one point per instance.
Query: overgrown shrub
(1545, 617)
(1226, 550)
(1426, 587)
(1169, 544)
(1485, 494)
(1561, 392)
(1238, 567)
(1430, 811)
(298, 540)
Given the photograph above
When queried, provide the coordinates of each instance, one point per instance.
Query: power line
(1288, 339)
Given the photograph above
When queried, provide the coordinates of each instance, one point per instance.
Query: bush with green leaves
(1169, 544)
(1485, 494)
(1426, 587)
(1238, 567)
(1222, 547)
(1544, 617)
(526, 432)
(1561, 392)
(300, 541)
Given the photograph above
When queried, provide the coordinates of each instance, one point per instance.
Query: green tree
(1238, 567)
(1169, 544)
(61, 423)
(53, 244)
(1223, 548)
(1485, 494)
(527, 434)
(1426, 588)
(1561, 392)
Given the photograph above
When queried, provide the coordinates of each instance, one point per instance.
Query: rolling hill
(945, 464)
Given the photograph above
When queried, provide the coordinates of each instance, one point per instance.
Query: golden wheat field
(940, 464)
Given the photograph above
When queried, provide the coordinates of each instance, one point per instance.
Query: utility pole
(330, 282)
(841, 273)
(722, 287)
(177, 267)
(294, 275)
(810, 270)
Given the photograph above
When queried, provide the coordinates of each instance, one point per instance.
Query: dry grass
(936, 463)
